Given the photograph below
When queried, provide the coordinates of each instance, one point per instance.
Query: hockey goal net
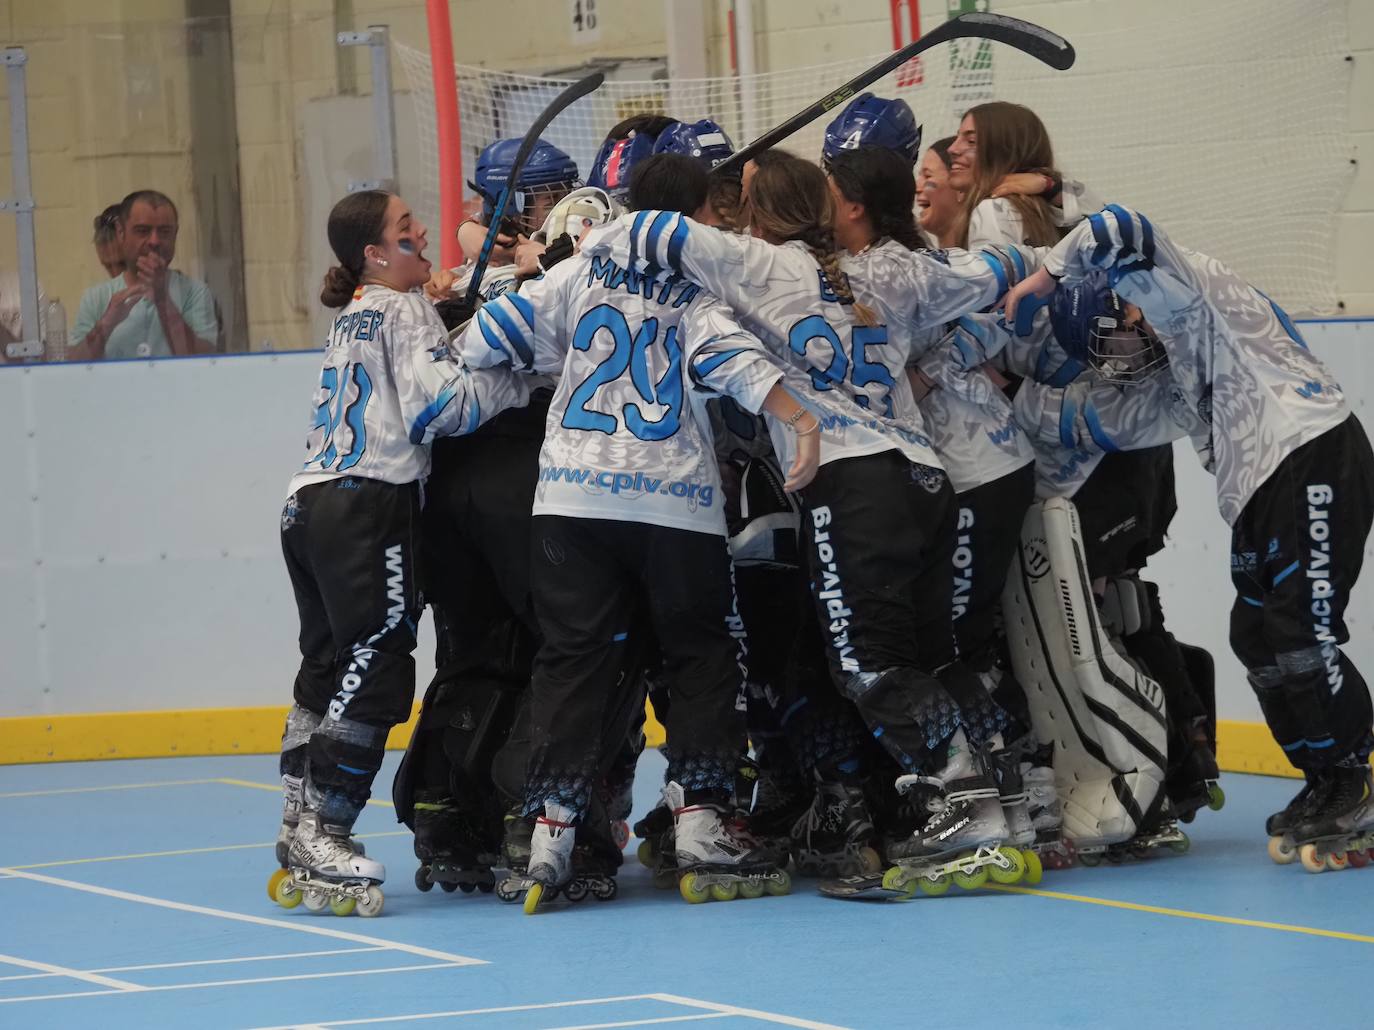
(1224, 121)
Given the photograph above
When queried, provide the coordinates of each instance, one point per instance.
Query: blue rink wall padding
(973, 960)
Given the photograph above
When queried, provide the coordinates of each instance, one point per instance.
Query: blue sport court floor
(132, 894)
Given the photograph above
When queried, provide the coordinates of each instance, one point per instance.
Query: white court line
(113, 786)
(300, 926)
(735, 1010)
(465, 1012)
(233, 983)
(228, 961)
(120, 986)
(647, 1022)
(717, 1011)
(187, 851)
(201, 962)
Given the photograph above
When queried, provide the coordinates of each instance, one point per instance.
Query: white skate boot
(718, 860)
(324, 870)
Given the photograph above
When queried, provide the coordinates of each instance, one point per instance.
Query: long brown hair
(1012, 138)
(355, 222)
(789, 199)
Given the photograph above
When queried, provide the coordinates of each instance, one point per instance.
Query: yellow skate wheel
(778, 885)
(869, 862)
(533, 897)
(724, 891)
(1180, 846)
(1311, 861)
(1035, 869)
(751, 889)
(892, 878)
(370, 904)
(1216, 797)
(1014, 872)
(287, 896)
(971, 881)
(934, 888)
(646, 853)
(1336, 861)
(1281, 851)
(272, 881)
(343, 906)
(691, 893)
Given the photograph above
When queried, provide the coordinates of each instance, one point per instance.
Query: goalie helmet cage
(1225, 122)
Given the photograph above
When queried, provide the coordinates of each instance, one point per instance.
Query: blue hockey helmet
(616, 160)
(1090, 322)
(704, 140)
(871, 121)
(547, 170)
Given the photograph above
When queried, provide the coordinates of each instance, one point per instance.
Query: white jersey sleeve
(996, 221)
(723, 358)
(1256, 390)
(388, 386)
(526, 330)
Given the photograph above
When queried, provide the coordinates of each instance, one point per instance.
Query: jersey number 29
(629, 352)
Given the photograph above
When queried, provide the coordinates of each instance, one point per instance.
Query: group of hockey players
(859, 499)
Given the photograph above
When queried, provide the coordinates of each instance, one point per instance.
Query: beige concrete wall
(1355, 225)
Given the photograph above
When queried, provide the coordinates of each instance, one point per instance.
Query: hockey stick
(575, 91)
(1040, 43)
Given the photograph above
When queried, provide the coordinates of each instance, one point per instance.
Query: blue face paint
(405, 246)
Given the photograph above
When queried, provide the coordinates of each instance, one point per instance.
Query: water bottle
(55, 331)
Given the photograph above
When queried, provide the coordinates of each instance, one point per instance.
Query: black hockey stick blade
(1040, 43)
(575, 91)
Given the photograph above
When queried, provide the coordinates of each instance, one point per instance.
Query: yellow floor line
(276, 788)
(1181, 913)
(187, 851)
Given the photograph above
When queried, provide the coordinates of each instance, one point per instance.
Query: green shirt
(140, 335)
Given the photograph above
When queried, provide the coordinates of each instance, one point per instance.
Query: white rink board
(147, 573)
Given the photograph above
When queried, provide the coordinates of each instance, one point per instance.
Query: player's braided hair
(355, 223)
(789, 199)
(880, 180)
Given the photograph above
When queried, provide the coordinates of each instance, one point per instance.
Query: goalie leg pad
(1105, 718)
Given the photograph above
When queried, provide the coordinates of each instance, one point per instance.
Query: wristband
(791, 421)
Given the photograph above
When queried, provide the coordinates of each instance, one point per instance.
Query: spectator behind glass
(149, 310)
(107, 249)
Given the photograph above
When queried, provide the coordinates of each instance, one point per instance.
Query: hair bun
(339, 284)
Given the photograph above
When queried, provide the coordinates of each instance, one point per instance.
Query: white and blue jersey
(627, 436)
(1254, 391)
(970, 420)
(389, 387)
(852, 377)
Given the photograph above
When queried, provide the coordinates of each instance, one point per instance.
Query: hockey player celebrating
(1295, 482)
(868, 153)
(880, 571)
(350, 532)
(627, 520)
